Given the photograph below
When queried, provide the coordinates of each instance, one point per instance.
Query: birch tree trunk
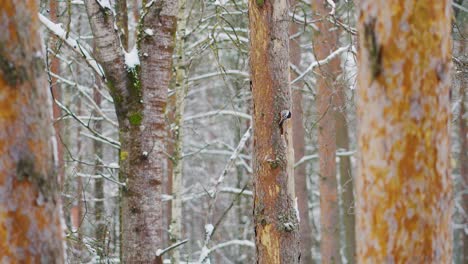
(404, 189)
(56, 95)
(300, 175)
(324, 42)
(177, 132)
(276, 224)
(140, 96)
(99, 209)
(30, 226)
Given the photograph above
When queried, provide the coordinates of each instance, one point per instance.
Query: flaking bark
(276, 225)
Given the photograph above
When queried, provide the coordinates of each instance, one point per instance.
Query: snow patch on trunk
(131, 59)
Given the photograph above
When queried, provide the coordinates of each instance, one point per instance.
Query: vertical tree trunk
(276, 225)
(404, 189)
(30, 224)
(177, 132)
(346, 177)
(300, 175)
(56, 95)
(99, 210)
(463, 153)
(121, 20)
(140, 96)
(324, 42)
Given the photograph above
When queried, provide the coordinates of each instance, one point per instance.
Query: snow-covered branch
(57, 30)
(207, 251)
(321, 62)
(218, 112)
(214, 74)
(315, 156)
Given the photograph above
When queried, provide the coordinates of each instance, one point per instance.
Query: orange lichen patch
(25, 225)
(403, 189)
(8, 95)
(20, 224)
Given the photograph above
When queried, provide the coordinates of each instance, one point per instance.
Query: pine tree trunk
(404, 189)
(276, 224)
(31, 229)
(324, 42)
(300, 175)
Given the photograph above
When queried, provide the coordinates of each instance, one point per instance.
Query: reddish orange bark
(30, 226)
(300, 174)
(276, 225)
(404, 190)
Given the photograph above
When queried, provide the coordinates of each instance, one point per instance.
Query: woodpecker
(284, 115)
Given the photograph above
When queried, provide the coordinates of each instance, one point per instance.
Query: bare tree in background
(30, 224)
(300, 175)
(404, 188)
(324, 42)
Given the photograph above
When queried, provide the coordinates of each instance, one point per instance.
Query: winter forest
(233, 131)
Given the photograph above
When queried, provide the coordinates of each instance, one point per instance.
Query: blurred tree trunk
(56, 95)
(177, 132)
(99, 209)
(404, 189)
(463, 153)
(346, 177)
(140, 97)
(30, 224)
(300, 175)
(276, 224)
(345, 168)
(324, 42)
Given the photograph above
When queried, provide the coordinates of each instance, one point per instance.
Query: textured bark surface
(300, 175)
(140, 96)
(121, 12)
(30, 225)
(404, 189)
(276, 225)
(324, 43)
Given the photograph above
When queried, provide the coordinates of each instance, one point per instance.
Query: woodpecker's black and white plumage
(284, 115)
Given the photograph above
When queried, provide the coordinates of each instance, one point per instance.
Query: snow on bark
(131, 58)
